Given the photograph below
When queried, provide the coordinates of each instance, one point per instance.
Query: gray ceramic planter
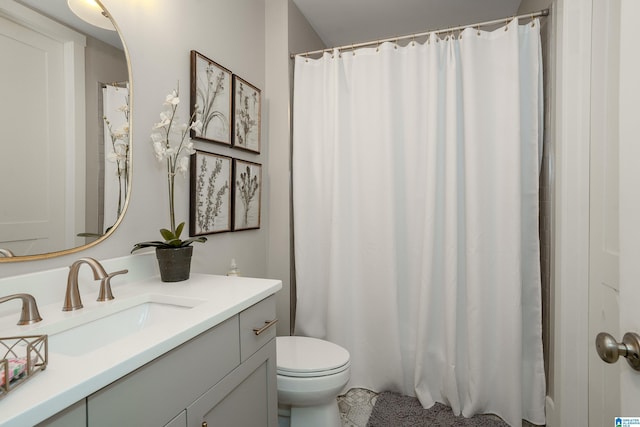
(174, 263)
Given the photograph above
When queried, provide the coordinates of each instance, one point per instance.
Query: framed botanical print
(210, 201)
(246, 115)
(211, 88)
(247, 189)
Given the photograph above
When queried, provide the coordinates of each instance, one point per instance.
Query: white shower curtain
(415, 189)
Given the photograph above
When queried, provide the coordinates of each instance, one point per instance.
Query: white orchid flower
(160, 151)
(188, 148)
(112, 157)
(120, 146)
(118, 154)
(170, 141)
(122, 134)
(197, 126)
(161, 124)
(172, 98)
(182, 165)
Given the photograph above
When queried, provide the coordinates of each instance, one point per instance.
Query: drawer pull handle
(267, 325)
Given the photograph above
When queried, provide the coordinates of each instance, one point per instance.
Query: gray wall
(287, 31)
(528, 6)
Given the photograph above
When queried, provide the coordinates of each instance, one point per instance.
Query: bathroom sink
(80, 335)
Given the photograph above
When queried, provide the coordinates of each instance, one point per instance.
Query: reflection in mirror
(65, 168)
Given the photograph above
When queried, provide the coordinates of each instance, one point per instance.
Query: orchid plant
(171, 145)
(120, 153)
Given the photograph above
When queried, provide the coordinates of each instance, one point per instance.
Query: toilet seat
(305, 357)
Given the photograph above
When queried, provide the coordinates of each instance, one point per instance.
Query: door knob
(609, 350)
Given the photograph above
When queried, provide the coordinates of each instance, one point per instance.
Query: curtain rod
(543, 12)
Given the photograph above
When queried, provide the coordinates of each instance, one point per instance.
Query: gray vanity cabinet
(179, 421)
(247, 397)
(158, 391)
(225, 376)
(74, 416)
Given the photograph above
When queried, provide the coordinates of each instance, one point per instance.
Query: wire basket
(21, 359)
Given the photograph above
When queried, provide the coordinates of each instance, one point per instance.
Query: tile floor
(356, 406)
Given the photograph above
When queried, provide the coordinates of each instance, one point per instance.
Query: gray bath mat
(396, 410)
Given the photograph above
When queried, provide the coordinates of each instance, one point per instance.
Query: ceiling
(59, 11)
(344, 22)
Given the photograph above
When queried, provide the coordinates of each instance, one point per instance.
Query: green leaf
(167, 234)
(171, 240)
(174, 243)
(189, 241)
(179, 230)
(142, 245)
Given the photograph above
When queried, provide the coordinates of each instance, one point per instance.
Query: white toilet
(311, 374)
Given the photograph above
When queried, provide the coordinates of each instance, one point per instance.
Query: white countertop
(68, 379)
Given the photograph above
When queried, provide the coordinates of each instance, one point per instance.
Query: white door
(42, 133)
(604, 286)
(31, 80)
(629, 195)
(614, 274)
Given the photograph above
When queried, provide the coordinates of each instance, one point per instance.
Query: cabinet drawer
(74, 416)
(153, 394)
(257, 326)
(247, 397)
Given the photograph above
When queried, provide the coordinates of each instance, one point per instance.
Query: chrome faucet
(6, 253)
(29, 313)
(72, 299)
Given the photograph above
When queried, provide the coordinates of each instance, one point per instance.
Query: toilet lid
(305, 356)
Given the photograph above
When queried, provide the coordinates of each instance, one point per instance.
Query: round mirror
(65, 167)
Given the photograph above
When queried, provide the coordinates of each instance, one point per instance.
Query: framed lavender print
(246, 115)
(247, 188)
(210, 204)
(210, 99)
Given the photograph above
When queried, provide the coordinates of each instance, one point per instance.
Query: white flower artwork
(210, 208)
(247, 182)
(211, 99)
(246, 115)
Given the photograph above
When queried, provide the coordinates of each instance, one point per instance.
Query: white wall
(287, 31)
(571, 86)
(159, 35)
(279, 255)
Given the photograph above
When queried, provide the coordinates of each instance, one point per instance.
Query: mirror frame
(48, 255)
